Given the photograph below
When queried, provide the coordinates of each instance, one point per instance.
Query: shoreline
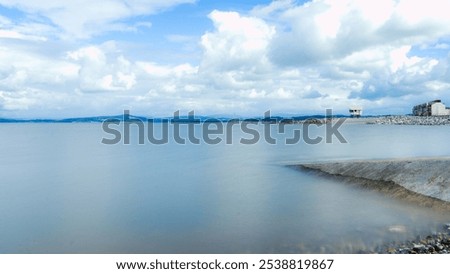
(402, 120)
(420, 181)
(387, 188)
(425, 176)
(436, 243)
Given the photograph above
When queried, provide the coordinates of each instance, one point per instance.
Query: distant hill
(180, 119)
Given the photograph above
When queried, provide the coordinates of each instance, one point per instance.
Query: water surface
(62, 191)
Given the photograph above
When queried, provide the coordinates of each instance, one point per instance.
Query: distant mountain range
(180, 119)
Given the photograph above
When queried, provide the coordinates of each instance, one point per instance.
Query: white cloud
(238, 42)
(16, 101)
(84, 18)
(98, 72)
(4, 21)
(324, 30)
(22, 68)
(17, 35)
(264, 11)
(283, 56)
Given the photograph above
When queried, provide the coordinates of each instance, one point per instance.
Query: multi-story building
(433, 108)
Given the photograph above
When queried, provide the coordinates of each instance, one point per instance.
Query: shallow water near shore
(62, 191)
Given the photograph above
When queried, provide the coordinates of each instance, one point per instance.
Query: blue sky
(153, 57)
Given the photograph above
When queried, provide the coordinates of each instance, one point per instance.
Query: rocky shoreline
(424, 181)
(438, 243)
(420, 181)
(411, 120)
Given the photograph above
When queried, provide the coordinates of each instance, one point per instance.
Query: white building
(355, 111)
(433, 108)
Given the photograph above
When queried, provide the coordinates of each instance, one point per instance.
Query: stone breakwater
(421, 181)
(429, 177)
(411, 120)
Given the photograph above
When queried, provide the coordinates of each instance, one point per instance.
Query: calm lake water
(62, 191)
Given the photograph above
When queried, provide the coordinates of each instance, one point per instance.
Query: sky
(78, 58)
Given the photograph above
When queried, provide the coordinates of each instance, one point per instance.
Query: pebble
(437, 243)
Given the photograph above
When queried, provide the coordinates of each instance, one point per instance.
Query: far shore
(402, 120)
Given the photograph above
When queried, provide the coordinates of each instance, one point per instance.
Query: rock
(419, 247)
(438, 247)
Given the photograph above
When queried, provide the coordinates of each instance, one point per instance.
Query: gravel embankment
(411, 120)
